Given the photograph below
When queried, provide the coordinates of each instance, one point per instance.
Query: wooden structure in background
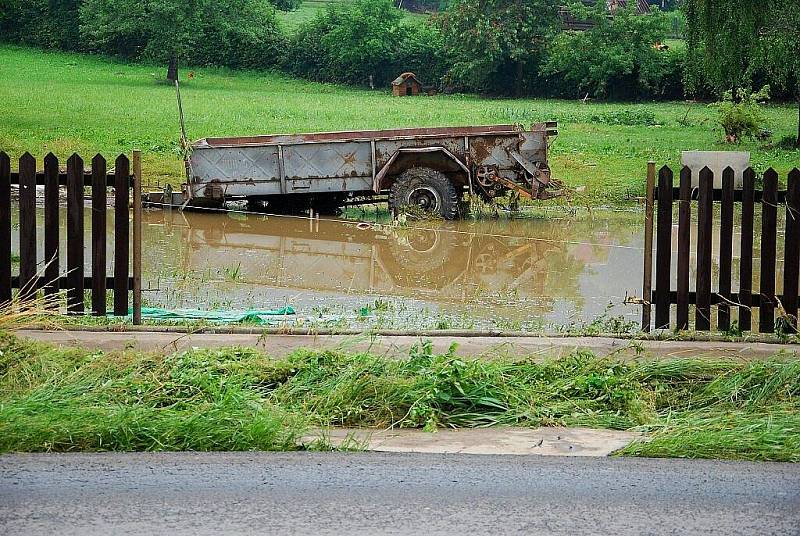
(406, 85)
(44, 272)
(765, 298)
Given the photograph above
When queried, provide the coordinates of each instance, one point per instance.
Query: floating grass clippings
(240, 399)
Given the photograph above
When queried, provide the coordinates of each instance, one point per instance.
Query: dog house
(406, 85)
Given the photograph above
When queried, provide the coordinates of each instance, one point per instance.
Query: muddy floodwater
(548, 272)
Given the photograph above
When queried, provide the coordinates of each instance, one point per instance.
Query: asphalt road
(377, 493)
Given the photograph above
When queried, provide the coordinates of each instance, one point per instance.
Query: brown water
(508, 274)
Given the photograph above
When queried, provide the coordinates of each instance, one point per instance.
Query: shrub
(348, 43)
(234, 33)
(42, 23)
(740, 113)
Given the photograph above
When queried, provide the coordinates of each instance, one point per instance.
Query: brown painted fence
(771, 200)
(75, 278)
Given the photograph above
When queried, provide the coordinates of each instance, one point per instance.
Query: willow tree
(731, 41)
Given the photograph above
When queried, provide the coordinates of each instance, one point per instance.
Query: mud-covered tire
(424, 189)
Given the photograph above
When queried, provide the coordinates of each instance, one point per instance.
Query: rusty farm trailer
(427, 168)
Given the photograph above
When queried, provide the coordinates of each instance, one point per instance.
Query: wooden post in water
(75, 264)
(705, 211)
(5, 228)
(121, 234)
(27, 226)
(137, 237)
(52, 224)
(684, 241)
(663, 247)
(99, 183)
(791, 265)
(647, 285)
(769, 217)
(746, 262)
(725, 251)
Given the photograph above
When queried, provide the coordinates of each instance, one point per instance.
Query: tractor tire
(427, 190)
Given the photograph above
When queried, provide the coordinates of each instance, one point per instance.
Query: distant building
(406, 85)
(571, 23)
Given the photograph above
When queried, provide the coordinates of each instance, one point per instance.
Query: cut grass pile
(68, 103)
(239, 399)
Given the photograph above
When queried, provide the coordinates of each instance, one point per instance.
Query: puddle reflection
(501, 273)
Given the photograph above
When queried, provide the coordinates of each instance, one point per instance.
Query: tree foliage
(497, 45)
(616, 56)
(349, 43)
(43, 23)
(236, 33)
(732, 41)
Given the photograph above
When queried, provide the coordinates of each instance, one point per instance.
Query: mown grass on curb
(240, 399)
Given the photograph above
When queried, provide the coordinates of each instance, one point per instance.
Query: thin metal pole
(137, 237)
(184, 139)
(647, 285)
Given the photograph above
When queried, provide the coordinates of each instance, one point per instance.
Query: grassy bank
(240, 399)
(65, 103)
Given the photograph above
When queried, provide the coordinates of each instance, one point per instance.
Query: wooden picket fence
(724, 299)
(50, 279)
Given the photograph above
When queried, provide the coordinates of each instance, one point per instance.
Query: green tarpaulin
(225, 317)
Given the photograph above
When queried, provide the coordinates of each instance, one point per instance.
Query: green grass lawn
(68, 103)
(309, 8)
(54, 399)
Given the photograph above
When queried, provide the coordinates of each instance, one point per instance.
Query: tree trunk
(172, 70)
(520, 75)
(797, 142)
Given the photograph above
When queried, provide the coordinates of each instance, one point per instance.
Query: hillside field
(68, 103)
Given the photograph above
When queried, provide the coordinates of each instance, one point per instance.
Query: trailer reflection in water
(482, 274)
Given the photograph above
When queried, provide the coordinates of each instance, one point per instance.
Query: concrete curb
(659, 335)
(399, 346)
(544, 441)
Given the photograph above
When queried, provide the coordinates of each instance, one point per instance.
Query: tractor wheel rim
(424, 198)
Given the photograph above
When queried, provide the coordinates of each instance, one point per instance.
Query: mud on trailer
(429, 169)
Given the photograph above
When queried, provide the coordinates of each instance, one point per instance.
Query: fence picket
(99, 235)
(684, 241)
(791, 267)
(663, 247)
(704, 235)
(51, 225)
(725, 251)
(121, 236)
(5, 228)
(37, 273)
(769, 216)
(746, 251)
(27, 225)
(75, 263)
